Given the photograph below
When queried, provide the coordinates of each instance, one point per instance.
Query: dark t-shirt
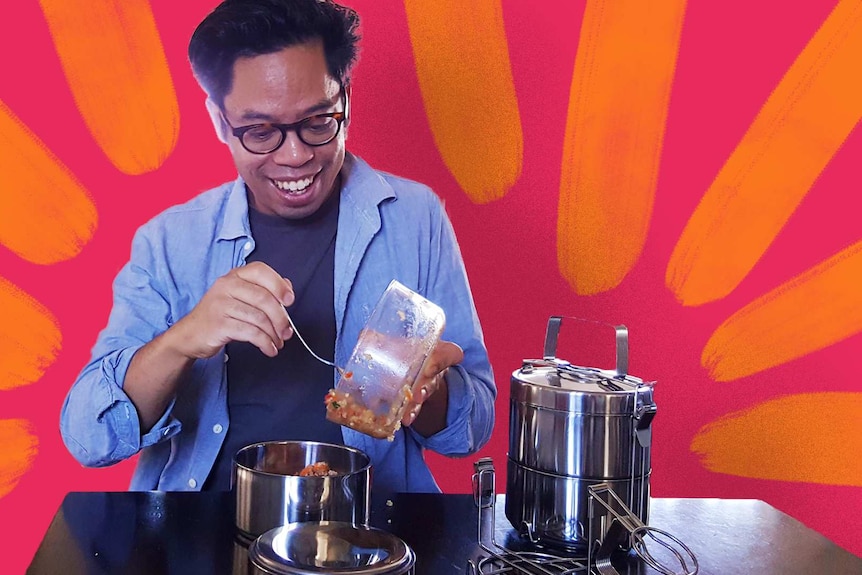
(281, 398)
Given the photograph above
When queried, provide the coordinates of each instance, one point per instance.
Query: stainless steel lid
(562, 386)
(338, 548)
(553, 383)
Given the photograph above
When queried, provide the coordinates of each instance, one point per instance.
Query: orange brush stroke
(115, 65)
(802, 125)
(46, 215)
(30, 338)
(462, 61)
(810, 312)
(19, 450)
(614, 131)
(811, 438)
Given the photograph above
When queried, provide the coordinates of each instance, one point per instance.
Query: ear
(348, 93)
(217, 120)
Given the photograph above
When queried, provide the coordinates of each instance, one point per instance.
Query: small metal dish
(332, 547)
(269, 491)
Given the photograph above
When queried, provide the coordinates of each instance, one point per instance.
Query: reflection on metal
(572, 427)
(501, 560)
(626, 533)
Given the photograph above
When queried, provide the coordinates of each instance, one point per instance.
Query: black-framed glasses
(317, 130)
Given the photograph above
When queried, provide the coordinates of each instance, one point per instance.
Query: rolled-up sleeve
(98, 422)
(472, 391)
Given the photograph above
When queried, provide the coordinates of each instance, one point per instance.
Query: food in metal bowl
(317, 469)
(270, 491)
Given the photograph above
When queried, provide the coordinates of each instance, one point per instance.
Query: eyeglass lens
(314, 131)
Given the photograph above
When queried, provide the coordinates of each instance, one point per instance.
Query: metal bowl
(330, 547)
(270, 493)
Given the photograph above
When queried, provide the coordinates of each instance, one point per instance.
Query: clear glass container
(375, 388)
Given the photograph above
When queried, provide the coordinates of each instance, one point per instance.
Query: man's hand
(427, 411)
(246, 304)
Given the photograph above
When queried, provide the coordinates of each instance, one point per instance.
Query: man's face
(285, 87)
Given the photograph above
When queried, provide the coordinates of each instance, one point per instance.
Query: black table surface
(182, 533)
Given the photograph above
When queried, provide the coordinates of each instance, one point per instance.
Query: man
(198, 358)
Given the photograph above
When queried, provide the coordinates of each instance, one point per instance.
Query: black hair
(247, 28)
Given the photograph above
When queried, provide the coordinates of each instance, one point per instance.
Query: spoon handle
(305, 345)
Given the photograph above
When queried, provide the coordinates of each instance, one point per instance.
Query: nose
(293, 151)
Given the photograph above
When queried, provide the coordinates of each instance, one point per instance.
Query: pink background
(732, 55)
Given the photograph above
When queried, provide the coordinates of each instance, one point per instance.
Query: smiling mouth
(293, 186)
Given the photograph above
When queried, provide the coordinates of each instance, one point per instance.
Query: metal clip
(484, 482)
(643, 421)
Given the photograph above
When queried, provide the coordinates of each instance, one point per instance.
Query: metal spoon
(340, 370)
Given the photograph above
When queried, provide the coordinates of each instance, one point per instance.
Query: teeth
(294, 186)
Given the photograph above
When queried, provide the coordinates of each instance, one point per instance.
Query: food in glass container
(345, 409)
(375, 387)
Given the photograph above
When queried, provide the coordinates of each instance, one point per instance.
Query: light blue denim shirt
(388, 228)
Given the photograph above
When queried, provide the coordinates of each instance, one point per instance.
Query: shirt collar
(361, 186)
(234, 223)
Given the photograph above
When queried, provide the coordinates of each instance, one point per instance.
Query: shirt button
(225, 358)
(193, 483)
(247, 246)
(217, 428)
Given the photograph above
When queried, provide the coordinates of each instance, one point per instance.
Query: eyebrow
(251, 115)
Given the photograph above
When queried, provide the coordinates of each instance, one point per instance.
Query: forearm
(154, 375)
(470, 413)
(432, 417)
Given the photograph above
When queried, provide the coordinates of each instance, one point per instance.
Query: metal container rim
(358, 452)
